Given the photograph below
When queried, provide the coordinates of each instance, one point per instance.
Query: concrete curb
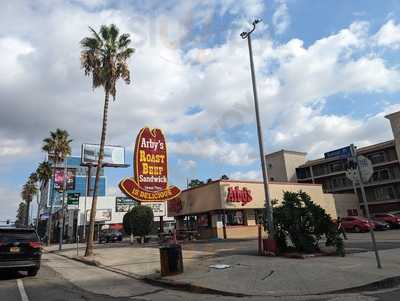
(156, 280)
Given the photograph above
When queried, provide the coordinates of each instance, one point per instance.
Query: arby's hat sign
(150, 181)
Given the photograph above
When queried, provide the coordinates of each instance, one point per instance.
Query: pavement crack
(147, 293)
(268, 275)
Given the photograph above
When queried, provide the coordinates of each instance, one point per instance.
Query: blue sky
(327, 72)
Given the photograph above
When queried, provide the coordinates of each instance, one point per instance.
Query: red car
(357, 224)
(391, 219)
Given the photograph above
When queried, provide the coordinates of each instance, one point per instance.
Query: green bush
(138, 221)
(304, 223)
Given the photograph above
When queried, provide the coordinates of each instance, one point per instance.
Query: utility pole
(89, 171)
(365, 203)
(60, 243)
(247, 35)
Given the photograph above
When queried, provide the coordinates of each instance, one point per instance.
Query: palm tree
(104, 56)
(44, 173)
(57, 146)
(21, 215)
(29, 189)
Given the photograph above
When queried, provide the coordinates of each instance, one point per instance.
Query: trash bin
(171, 260)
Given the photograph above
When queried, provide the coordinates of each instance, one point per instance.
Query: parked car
(110, 236)
(357, 224)
(391, 219)
(20, 250)
(380, 225)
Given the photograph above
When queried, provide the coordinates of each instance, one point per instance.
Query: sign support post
(365, 203)
(61, 223)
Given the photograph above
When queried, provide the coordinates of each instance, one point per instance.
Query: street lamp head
(244, 34)
(256, 21)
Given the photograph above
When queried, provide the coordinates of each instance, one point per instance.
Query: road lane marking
(24, 296)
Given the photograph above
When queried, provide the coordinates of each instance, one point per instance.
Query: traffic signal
(8, 222)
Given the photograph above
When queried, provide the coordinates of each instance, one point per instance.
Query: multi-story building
(77, 182)
(382, 190)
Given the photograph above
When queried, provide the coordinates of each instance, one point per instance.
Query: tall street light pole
(270, 222)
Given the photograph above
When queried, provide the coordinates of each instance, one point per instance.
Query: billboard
(113, 155)
(150, 181)
(157, 207)
(59, 179)
(124, 204)
(102, 215)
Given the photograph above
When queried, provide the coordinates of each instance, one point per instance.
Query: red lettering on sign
(237, 195)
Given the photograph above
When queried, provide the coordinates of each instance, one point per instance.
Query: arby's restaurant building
(225, 209)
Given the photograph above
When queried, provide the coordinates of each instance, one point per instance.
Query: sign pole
(86, 194)
(365, 203)
(60, 243)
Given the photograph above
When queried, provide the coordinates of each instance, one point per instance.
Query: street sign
(73, 200)
(342, 153)
(157, 207)
(366, 168)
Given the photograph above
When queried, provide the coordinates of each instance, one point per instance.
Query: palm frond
(114, 32)
(124, 40)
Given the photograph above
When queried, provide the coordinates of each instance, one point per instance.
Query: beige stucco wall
(213, 197)
(344, 202)
(200, 199)
(292, 161)
(276, 167)
(281, 165)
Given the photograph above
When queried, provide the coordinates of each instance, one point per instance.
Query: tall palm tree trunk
(89, 245)
(38, 207)
(27, 212)
(52, 195)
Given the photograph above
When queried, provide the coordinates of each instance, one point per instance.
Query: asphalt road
(47, 285)
(61, 279)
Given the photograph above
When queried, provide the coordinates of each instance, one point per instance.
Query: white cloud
(228, 153)
(187, 164)
(388, 35)
(316, 133)
(171, 75)
(246, 175)
(281, 17)
(13, 147)
(12, 51)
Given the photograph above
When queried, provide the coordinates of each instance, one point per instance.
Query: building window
(384, 193)
(381, 175)
(203, 220)
(337, 166)
(377, 157)
(234, 217)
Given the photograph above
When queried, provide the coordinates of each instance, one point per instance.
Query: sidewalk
(135, 261)
(276, 276)
(252, 275)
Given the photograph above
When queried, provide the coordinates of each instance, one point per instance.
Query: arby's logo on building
(237, 195)
(150, 181)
